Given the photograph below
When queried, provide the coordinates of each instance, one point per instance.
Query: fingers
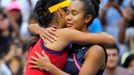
(49, 34)
(37, 55)
(52, 28)
(52, 31)
(32, 62)
(34, 58)
(43, 53)
(50, 37)
(33, 66)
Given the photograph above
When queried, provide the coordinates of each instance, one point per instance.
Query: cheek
(79, 22)
(113, 59)
(80, 19)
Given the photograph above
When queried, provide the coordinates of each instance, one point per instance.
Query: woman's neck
(84, 29)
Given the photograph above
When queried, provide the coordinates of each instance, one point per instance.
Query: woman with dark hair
(83, 59)
(4, 69)
(15, 65)
(14, 16)
(5, 30)
(129, 62)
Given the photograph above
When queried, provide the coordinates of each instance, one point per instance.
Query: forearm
(34, 28)
(101, 38)
(108, 39)
(89, 38)
(56, 71)
(121, 35)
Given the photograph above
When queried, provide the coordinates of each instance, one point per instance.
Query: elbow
(111, 40)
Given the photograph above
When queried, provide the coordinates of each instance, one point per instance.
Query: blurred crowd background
(116, 18)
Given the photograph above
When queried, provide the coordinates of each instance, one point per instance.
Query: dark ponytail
(39, 12)
(91, 7)
(96, 4)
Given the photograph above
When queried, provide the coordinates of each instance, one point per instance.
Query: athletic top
(76, 59)
(58, 58)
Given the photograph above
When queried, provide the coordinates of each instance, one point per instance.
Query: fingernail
(55, 39)
(57, 35)
(51, 40)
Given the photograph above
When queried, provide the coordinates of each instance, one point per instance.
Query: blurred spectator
(14, 15)
(126, 3)
(112, 67)
(126, 54)
(110, 17)
(127, 26)
(109, 21)
(15, 49)
(15, 65)
(18, 44)
(126, 34)
(129, 63)
(11, 52)
(14, 52)
(5, 31)
(4, 70)
(26, 36)
(26, 9)
(103, 3)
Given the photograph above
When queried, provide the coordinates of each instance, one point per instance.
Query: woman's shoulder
(95, 50)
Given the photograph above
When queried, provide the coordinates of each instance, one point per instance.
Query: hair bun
(96, 4)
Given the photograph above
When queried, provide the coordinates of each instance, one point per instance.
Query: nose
(110, 57)
(68, 17)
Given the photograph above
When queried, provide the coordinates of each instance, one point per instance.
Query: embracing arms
(89, 67)
(90, 38)
(72, 35)
(43, 63)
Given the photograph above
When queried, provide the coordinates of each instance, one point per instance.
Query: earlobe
(88, 18)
